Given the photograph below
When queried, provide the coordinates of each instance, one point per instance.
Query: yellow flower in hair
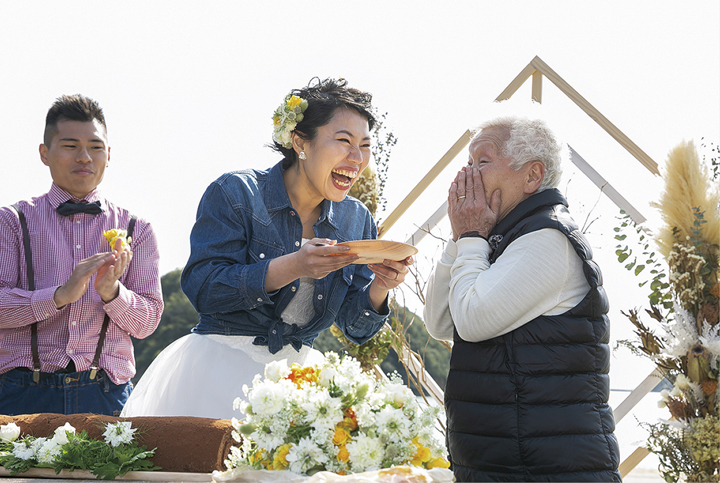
(286, 117)
(116, 234)
(294, 102)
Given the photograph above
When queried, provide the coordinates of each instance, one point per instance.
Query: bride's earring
(302, 155)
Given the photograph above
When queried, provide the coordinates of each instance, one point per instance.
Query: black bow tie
(69, 208)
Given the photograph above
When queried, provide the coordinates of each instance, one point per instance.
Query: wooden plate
(375, 251)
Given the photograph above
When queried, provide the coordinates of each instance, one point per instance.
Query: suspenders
(94, 367)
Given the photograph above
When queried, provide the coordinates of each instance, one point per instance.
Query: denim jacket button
(259, 299)
(293, 289)
(274, 331)
(367, 314)
(262, 255)
(297, 243)
(320, 297)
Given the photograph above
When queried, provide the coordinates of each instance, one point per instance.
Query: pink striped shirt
(58, 243)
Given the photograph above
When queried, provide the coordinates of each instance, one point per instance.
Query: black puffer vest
(531, 405)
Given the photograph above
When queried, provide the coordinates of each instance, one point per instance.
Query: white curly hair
(528, 140)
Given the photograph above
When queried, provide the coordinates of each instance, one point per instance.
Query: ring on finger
(461, 197)
(397, 274)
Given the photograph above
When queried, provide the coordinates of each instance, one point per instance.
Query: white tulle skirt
(201, 375)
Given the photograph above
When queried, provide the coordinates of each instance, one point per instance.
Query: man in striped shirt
(69, 302)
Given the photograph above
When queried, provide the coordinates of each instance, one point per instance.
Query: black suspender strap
(95, 366)
(31, 287)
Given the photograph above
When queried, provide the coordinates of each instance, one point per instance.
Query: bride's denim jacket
(245, 219)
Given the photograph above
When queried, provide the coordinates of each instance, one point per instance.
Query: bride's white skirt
(201, 375)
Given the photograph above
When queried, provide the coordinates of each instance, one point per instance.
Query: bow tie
(69, 208)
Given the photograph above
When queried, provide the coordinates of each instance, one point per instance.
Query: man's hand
(108, 266)
(468, 209)
(107, 282)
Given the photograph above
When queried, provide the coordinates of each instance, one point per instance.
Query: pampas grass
(687, 186)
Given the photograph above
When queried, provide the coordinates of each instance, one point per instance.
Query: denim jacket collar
(276, 196)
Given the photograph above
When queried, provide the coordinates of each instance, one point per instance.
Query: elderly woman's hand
(468, 209)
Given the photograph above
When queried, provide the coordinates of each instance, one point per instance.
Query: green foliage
(101, 459)
(82, 453)
(383, 142)
(178, 318)
(10, 462)
(660, 294)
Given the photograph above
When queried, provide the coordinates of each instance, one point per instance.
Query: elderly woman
(517, 291)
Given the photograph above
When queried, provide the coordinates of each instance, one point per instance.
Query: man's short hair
(72, 108)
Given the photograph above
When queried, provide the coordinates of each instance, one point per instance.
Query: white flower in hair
(286, 118)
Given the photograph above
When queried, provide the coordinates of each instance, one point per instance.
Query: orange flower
(300, 375)
(343, 454)
(349, 422)
(341, 437)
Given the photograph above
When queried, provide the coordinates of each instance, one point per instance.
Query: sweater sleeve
(436, 313)
(538, 274)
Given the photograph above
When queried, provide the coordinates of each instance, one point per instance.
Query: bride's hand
(389, 274)
(321, 256)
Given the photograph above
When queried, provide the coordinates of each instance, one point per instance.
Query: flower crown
(286, 118)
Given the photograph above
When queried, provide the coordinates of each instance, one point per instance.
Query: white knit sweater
(537, 274)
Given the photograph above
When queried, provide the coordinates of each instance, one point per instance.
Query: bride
(264, 272)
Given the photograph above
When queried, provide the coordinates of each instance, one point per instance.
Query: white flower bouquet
(332, 417)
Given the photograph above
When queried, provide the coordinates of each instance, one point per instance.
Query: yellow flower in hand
(116, 234)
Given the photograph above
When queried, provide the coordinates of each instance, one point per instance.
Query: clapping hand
(109, 267)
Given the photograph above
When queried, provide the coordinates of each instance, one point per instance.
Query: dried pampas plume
(687, 186)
